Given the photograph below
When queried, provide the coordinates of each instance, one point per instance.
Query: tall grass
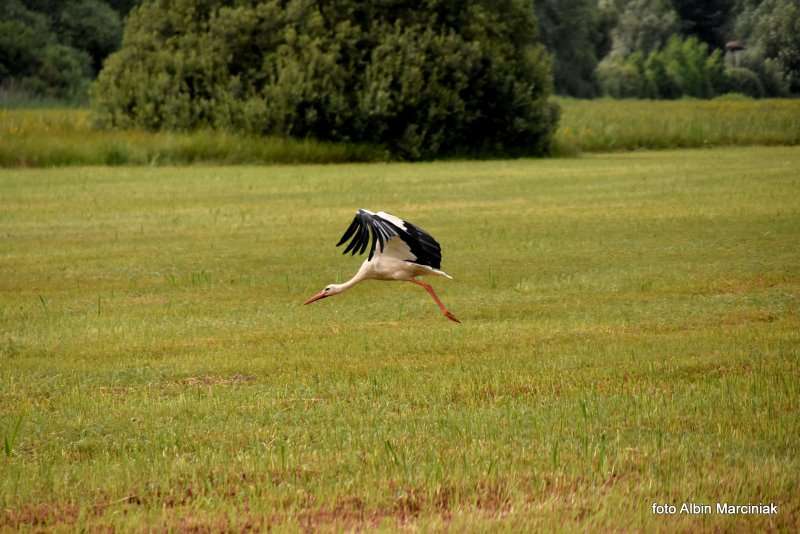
(54, 137)
(609, 125)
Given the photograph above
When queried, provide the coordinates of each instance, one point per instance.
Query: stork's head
(329, 291)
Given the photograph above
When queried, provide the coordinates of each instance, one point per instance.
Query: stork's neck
(338, 288)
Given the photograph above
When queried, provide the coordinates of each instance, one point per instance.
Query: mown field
(56, 137)
(630, 336)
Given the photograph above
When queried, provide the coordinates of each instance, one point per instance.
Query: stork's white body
(394, 259)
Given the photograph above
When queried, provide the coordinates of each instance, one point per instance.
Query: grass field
(630, 336)
(56, 137)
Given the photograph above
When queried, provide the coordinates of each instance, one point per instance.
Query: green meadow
(630, 335)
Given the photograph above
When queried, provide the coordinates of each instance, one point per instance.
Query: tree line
(618, 48)
(676, 48)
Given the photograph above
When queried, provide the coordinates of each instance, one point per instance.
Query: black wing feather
(368, 229)
(375, 234)
(359, 232)
(354, 242)
(364, 236)
(423, 246)
(349, 232)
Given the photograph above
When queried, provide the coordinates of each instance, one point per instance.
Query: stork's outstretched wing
(380, 227)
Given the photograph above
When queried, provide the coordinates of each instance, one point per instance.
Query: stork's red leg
(432, 293)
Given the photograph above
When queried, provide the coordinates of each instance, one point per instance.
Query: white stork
(404, 252)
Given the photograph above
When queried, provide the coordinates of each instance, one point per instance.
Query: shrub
(620, 79)
(439, 78)
(745, 81)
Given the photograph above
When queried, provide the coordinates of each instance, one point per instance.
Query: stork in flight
(404, 252)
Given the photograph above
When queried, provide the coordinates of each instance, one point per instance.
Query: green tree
(643, 26)
(575, 32)
(709, 20)
(32, 59)
(683, 67)
(437, 78)
(91, 26)
(53, 48)
(624, 77)
(690, 67)
(64, 72)
(24, 34)
(771, 31)
(123, 7)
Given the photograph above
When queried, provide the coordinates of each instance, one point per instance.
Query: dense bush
(744, 81)
(621, 79)
(437, 78)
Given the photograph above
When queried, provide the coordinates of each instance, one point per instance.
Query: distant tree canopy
(674, 48)
(710, 20)
(643, 26)
(422, 79)
(54, 48)
(771, 31)
(683, 67)
(576, 32)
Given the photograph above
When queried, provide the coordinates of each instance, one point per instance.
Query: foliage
(439, 79)
(53, 49)
(768, 28)
(587, 40)
(23, 36)
(92, 26)
(683, 67)
(643, 26)
(123, 7)
(621, 78)
(771, 30)
(708, 20)
(575, 33)
(63, 72)
(745, 81)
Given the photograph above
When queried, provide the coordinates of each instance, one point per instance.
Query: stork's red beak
(320, 295)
